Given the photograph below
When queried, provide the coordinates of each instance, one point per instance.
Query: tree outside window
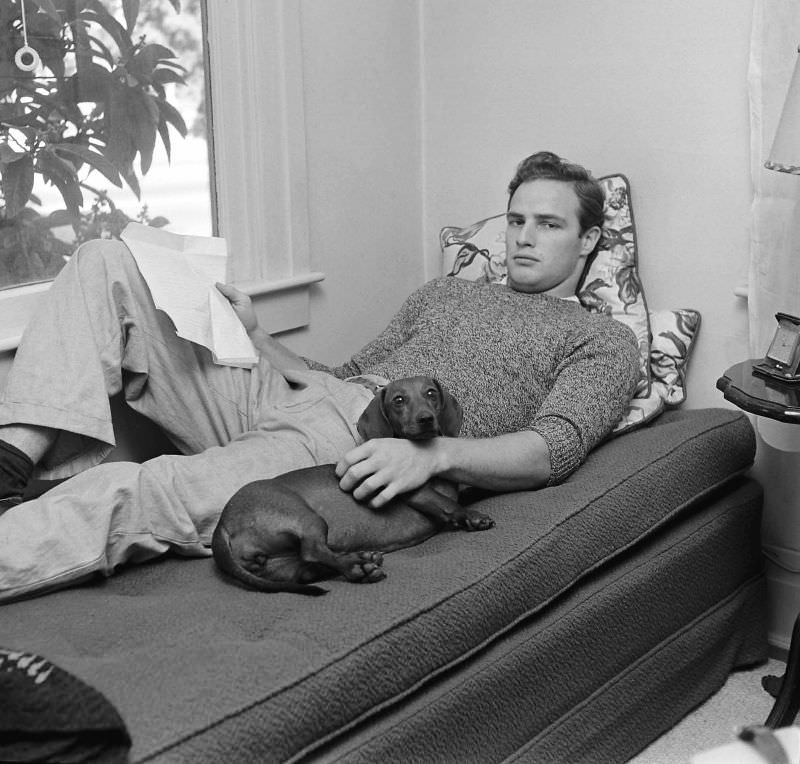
(109, 128)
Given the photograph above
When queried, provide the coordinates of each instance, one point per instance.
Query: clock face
(784, 344)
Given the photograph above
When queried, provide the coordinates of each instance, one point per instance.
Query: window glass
(103, 123)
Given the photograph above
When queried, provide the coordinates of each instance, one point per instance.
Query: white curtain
(774, 276)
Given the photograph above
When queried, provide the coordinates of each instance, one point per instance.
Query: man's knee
(104, 261)
(102, 253)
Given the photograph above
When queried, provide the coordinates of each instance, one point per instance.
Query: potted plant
(95, 105)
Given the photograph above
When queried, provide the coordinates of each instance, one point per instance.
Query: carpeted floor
(741, 701)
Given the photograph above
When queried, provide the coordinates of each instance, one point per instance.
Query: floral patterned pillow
(674, 333)
(611, 286)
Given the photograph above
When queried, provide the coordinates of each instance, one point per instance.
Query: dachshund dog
(282, 534)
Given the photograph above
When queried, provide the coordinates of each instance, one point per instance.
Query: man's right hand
(242, 306)
(276, 353)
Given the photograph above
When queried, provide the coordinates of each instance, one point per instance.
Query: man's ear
(452, 414)
(589, 239)
(373, 422)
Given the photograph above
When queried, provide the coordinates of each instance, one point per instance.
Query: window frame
(259, 177)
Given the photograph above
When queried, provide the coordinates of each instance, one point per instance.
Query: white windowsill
(16, 307)
(286, 308)
(254, 288)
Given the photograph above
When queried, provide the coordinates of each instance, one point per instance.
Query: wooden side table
(777, 400)
(760, 395)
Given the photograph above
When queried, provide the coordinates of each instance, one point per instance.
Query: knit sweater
(515, 361)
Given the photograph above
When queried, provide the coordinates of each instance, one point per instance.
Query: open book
(181, 272)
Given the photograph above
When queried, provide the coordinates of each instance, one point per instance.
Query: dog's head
(417, 408)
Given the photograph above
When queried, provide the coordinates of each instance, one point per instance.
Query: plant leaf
(165, 76)
(17, 184)
(102, 50)
(163, 131)
(8, 74)
(92, 158)
(142, 124)
(95, 11)
(9, 155)
(119, 148)
(131, 10)
(49, 44)
(48, 7)
(170, 114)
(145, 60)
(60, 217)
(93, 83)
(62, 175)
(131, 180)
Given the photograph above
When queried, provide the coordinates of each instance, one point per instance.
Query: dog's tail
(228, 564)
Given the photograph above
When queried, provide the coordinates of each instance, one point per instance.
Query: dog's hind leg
(359, 567)
(446, 510)
(312, 558)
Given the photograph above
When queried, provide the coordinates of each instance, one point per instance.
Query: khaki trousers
(98, 334)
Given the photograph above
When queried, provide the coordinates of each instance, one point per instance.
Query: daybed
(586, 623)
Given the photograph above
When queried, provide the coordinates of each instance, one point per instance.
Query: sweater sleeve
(396, 333)
(593, 386)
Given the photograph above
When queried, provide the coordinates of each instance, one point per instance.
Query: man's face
(545, 250)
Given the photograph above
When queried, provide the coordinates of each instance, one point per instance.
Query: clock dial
(783, 345)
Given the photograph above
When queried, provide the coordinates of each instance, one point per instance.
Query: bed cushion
(571, 684)
(201, 670)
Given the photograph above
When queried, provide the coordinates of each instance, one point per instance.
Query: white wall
(417, 113)
(655, 90)
(363, 102)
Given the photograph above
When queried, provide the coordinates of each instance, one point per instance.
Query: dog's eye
(398, 400)
(432, 393)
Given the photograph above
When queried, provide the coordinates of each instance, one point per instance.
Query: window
(253, 102)
(259, 137)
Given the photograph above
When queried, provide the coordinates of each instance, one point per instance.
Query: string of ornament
(26, 58)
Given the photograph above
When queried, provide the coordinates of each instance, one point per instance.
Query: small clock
(782, 360)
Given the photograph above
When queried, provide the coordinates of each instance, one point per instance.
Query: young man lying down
(541, 381)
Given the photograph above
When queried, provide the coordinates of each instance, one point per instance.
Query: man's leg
(97, 332)
(124, 512)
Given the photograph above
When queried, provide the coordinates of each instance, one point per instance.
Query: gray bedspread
(201, 670)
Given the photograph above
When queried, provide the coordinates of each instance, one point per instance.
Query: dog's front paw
(477, 521)
(364, 567)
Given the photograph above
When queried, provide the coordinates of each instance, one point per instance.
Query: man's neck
(565, 290)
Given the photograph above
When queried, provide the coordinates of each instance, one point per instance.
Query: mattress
(516, 636)
(606, 668)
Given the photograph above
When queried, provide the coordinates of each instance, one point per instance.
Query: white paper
(182, 272)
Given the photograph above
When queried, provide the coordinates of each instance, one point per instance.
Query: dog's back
(351, 524)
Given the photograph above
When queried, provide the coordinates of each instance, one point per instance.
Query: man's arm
(513, 462)
(593, 386)
(277, 354)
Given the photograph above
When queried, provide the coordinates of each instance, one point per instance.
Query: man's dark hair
(545, 165)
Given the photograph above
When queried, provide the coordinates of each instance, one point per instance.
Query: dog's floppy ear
(373, 422)
(452, 415)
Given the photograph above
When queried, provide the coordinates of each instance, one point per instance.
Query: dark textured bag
(48, 715)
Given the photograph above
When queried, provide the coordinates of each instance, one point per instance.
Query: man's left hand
(380, 469)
